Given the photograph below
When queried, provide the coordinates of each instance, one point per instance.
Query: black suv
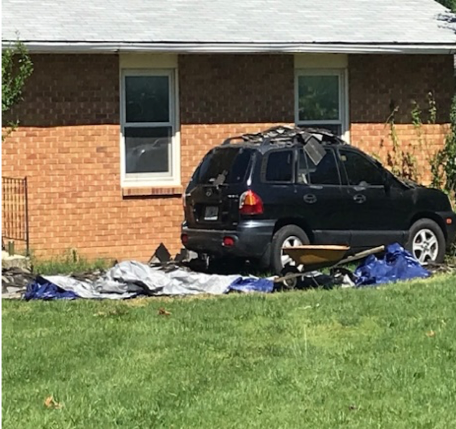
(257, 193)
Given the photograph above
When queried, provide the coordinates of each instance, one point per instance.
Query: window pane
(318, 98)
(147, 98)
(325, 173)
(147, 150)
(360, 170)
(230, 162)
(280, 166)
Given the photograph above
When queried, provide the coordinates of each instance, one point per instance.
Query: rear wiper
(220, 179)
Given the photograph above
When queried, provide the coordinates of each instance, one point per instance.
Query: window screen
(148, 124)
(320, 99)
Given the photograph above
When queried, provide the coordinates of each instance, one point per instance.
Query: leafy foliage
(450, 4)
(16, 69)
(443, 165)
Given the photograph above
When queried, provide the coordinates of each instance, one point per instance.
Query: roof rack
(285, 134)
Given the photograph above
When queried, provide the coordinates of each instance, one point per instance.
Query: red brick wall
(380, 82)
(68, 146)
(68, 142)
(228, 95)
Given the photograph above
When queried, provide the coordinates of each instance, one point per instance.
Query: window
(149, 127)
(325, 173)
(279, 167)
(320, 99)
(227, 164)
(360, 171)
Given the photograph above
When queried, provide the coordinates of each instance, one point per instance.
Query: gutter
(234, 48)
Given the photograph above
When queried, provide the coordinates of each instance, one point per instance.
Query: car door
(319, 193)
(376, 211)
(275, 187)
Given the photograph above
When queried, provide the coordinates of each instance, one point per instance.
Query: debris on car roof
(314, 151)
(286, 134)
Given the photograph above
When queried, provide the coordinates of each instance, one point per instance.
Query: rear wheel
(426, 241)
(287, 236)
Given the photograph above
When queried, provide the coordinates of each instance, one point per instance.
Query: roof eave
(240, 48)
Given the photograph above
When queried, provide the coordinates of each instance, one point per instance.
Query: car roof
(282, 136)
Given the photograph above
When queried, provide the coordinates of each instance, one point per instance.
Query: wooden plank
(361, 255)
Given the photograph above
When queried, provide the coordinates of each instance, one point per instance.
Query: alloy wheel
(291, 241)
(425, 246)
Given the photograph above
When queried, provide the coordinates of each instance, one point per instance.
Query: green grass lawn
(372, 358)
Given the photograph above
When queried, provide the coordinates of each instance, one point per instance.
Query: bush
(443, 165)
(16, 69)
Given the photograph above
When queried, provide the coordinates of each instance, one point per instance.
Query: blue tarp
(397, 264)
(251, 284)
(42, 289)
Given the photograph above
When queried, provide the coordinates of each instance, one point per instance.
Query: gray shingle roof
(229, 21)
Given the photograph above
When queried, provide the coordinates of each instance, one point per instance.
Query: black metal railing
(15, 221)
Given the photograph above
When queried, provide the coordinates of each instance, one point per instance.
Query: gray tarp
(129, 278)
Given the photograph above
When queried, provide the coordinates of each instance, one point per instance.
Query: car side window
(324, 173)
(279, 167)
(360, 171)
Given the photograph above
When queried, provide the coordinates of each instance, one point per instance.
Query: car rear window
(228, 165)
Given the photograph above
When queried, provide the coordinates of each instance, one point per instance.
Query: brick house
(126, 98)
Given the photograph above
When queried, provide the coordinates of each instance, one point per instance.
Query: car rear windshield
(227, 165)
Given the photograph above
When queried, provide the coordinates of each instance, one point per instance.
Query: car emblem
(208, 193)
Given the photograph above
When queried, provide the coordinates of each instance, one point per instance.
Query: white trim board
(214, 47)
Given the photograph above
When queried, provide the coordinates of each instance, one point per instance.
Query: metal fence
(15, 222)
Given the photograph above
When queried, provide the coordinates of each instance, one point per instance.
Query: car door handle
(359, 198)
(310, 198)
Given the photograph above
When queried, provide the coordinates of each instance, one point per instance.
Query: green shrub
(443, 165)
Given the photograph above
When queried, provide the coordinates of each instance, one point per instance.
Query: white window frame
(171, 178)
(343, 98)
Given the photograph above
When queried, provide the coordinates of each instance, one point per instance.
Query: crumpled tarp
(397, 264)
(130, 278)
(252, 284)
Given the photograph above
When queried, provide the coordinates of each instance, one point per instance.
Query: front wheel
(426, 241)
(287, 236)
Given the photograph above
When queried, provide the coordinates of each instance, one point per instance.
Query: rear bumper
(252, 239)
(450, 228)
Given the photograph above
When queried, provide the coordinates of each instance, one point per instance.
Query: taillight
(184, 239)
(228, 241)
(250, 203)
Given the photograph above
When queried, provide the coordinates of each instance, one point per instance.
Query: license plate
(211, 213)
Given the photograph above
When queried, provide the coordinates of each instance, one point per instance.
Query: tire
(426, 241)
(280, 237)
